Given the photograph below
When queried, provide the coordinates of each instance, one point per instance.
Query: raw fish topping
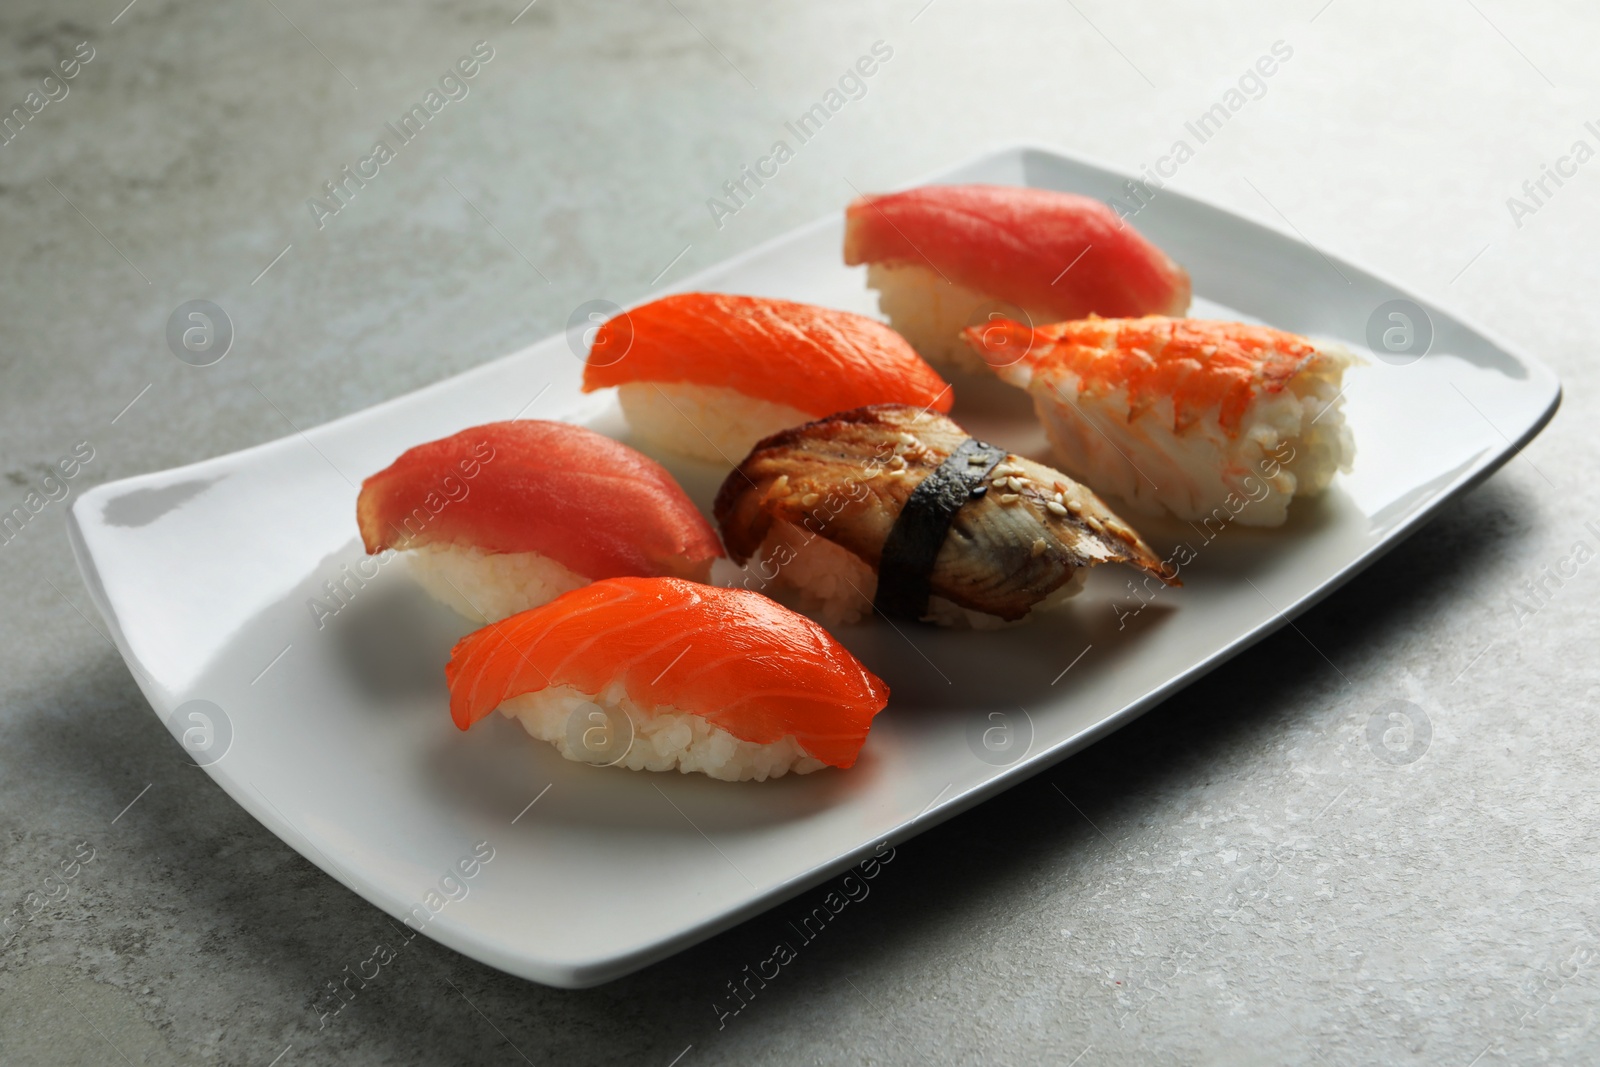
(593, 504)
(733, 657)
(812, 358)
(1050, 252)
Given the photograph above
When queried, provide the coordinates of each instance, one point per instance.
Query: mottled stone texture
(1234, 879)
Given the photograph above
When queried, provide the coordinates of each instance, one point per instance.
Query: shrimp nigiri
(503, 517)
(659, 673)
(1217, 421)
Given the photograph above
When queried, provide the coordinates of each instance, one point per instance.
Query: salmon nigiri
(657, 673)
(710, 374)
(944, 257)
(1217, 421)
(505, 516)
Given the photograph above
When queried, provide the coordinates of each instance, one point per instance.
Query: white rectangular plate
(337, 737)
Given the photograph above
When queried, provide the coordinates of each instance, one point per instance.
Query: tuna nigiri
(657, 673)
(710, 374)
(502, 517)
(1217, 421)
(944, 257)
(892, 508)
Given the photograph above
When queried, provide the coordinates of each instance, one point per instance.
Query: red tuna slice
(592, 504)
(1053, 253)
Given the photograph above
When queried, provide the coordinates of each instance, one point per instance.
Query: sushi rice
(704, 421)
(1291, 443)
(930, 312)
(653, 739)
(485, 586)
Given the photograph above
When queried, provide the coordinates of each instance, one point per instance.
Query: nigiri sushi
(673, 674)
(944, 257)
(710, 374)
(506, 516)
(1217, 421)
(897, 509)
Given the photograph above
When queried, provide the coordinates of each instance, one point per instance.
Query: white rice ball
(488, 586)
(704, 421)
(930, 313)
(609, 729)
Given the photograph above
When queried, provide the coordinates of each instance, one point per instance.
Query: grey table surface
(1238, 878)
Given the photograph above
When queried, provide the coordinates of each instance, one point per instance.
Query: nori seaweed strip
(905, 569)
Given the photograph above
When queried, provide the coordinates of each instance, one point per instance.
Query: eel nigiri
(944, 257)
(710, 374)
(892, 508)
(657, 673)
(505, 516)
(1218, 421)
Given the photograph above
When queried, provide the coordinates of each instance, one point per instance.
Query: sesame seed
(977, 460)
(1039, 546)
(907, 439)
(809, 499)
(1059, 499)
(1054, 508)
(1014, 484)
(897, 462)
(1008, 498)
